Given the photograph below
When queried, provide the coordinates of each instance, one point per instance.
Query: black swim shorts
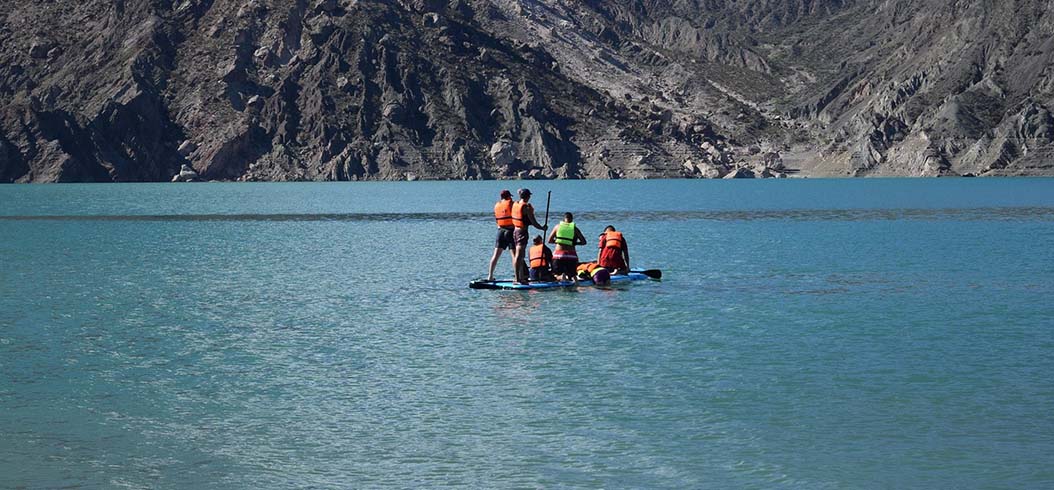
(504, 240)
(565, 266)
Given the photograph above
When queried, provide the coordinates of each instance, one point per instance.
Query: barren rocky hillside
(131, 90)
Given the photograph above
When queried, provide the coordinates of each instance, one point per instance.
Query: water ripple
(1039, 214)
(207, 344)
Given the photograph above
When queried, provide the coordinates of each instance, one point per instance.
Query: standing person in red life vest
(613, 253)
(541, 259)
(503, 216)
(522, 219)
(565, 259)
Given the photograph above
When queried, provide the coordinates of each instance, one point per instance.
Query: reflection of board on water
(634, 275)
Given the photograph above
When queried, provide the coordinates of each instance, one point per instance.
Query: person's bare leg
(493, 263)
(522, 266)
(525, 272)
(517, 257)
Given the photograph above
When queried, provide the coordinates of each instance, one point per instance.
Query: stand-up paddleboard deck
(634, 275)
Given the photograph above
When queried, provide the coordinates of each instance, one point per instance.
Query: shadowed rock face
(466, 89)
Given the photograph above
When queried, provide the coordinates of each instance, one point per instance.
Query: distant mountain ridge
(130, 90)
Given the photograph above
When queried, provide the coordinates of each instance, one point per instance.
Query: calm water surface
(808, 334)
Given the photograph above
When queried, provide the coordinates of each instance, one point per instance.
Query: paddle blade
(483, 285)
(652, 273)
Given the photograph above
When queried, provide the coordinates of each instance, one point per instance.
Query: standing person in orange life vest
(613, 253)
(503, 216)
(541, 259)
(522, 218)
(565, 259)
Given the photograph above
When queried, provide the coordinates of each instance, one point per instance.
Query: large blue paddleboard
(634, 275)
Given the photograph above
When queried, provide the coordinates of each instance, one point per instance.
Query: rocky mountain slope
(130, 90)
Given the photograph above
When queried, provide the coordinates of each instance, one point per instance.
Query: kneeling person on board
(541, 260)
(503, 215)
(522, 218)
(591, 270)
(565, 259)
(614, 252)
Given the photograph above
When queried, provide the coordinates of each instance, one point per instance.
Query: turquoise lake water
(808, 334)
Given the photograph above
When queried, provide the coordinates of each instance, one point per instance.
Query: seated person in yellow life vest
(541, 260)
(592, 270)
(566, 235)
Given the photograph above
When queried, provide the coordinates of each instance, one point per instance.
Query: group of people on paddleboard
(540, 264)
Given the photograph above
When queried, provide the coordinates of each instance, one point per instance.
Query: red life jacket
(538, 258)
(613, 239)
(503, 213)
(517, 214)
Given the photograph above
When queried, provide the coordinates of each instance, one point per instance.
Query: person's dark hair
(505, 194)
(537, 239)
(525, 193)
(609, 228)
(569, 217)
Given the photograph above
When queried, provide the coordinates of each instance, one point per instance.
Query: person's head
(525, 194)
(505, 194)
(568, 217)
(537, 239)
(601, 276)
(609, 228)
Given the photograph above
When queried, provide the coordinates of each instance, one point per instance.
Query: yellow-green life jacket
(565, 234)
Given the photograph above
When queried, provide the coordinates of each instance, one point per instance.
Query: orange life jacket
(613, 239)
(587, 269)
(538, 258)
(517, 214)
(503, 213)
(588, 266)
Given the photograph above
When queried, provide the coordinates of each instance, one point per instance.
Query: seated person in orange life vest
(566, 235)
(541, 259)
(613, 253)
(591, 270)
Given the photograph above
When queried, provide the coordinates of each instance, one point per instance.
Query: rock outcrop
(480, 89)
(186, 174)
